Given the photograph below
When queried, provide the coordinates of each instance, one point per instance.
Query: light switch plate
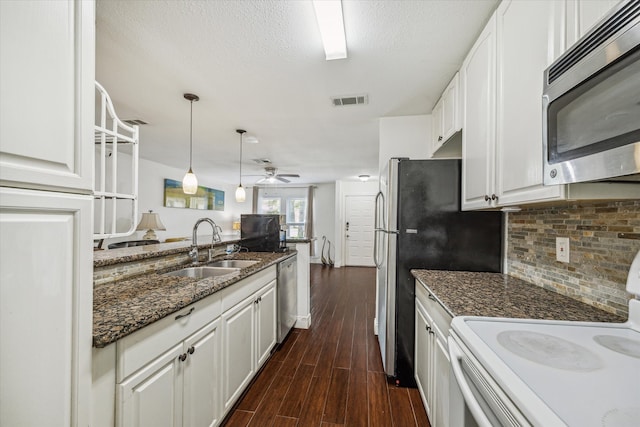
(562, 249)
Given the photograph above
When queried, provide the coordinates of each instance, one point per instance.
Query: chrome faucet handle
(193, 253)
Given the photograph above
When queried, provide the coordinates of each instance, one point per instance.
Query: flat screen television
(260, 232)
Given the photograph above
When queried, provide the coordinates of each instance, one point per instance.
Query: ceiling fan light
(331, 25)
(189, 183)
(241, 195)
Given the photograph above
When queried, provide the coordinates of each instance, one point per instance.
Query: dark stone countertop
(464, 293)
(138, 253)
(122, 307)
(296, 240)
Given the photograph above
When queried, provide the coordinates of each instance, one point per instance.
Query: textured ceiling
(260, 66)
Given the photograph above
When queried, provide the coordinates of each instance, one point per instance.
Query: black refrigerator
(419, 225)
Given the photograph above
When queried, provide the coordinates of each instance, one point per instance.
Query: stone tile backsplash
(604, 238)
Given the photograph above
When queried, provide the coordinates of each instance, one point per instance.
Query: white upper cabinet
(478, 77)
(501, 80)
(47, 68)
(523, 53)
(437, 138)
(446, 115)
(581, 15)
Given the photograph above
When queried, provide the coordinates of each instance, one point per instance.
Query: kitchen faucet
(193, 253)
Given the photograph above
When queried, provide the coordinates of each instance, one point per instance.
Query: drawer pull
(182, 357)
(191, 350)
(180, 316)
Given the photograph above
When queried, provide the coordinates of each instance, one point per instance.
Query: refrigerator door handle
(375, 249)
(377, 227)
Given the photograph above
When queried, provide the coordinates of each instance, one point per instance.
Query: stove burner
(620, 345)
(550, 351)
(622, 417)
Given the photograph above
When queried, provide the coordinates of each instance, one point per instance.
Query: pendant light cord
(240, 177)
(191, 137)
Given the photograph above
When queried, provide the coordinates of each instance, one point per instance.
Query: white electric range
(518, 372)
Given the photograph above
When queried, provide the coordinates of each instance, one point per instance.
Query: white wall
(404, 136)
(179, 222)
(343, 189)
(324, 216)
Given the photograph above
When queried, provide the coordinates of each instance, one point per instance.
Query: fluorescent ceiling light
(331, 25)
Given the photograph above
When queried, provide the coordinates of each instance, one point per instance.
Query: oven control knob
(553, 173)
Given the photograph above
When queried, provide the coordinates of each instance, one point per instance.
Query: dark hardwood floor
(330, 374)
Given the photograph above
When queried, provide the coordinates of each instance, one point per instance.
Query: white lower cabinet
(189, 368)
(45, 308)
(202, 372)
(424, 359)
(249, 331)
(442, 367)
(179, 388)
(266, 326)
(432, 364)
(239, 350)
(153, 395)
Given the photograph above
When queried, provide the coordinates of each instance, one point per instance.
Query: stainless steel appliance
(591, 104)
(418, 224)
(260, 233)
(287, 296)
(523, 372)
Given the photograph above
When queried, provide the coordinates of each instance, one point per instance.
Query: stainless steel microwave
(591, 104)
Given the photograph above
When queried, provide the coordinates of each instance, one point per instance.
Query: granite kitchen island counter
(124, 306)
(464, 293)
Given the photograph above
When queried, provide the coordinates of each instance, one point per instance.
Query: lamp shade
(150, 221)
(189, 183)
(241, 195)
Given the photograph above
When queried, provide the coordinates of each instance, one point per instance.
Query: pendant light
(190, 182)
(241, 195)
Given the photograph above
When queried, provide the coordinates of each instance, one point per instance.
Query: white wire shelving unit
(115, 195)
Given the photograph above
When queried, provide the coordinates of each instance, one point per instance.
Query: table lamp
(150, 221)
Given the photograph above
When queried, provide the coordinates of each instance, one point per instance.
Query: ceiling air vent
(135, 122)
(350, 100)
(262, 161)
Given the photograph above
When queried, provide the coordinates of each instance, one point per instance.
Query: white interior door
(358, 229)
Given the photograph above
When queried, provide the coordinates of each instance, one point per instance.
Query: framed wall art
(205, 198)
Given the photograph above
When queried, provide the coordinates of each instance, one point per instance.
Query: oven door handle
(472, 403)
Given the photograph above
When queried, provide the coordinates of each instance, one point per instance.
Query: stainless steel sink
(233, 263)
(202, 272)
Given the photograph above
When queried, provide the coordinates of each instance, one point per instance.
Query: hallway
(331, 374)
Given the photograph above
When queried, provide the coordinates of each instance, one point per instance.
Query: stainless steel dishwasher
(287, 296)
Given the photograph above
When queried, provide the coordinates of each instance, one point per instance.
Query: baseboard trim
(303, 322)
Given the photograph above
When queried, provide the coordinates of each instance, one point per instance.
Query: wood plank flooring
(330, 374)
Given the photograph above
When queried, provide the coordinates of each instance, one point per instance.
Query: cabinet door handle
(180, 316)
(487, 198)
(182, 357)
(439, 138)
(432, 298)
(428, 328)
(191, 350)
(494, 197)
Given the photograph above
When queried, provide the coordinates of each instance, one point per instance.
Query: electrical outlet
(562, 249)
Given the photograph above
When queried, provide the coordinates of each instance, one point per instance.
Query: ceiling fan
(271, 175)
